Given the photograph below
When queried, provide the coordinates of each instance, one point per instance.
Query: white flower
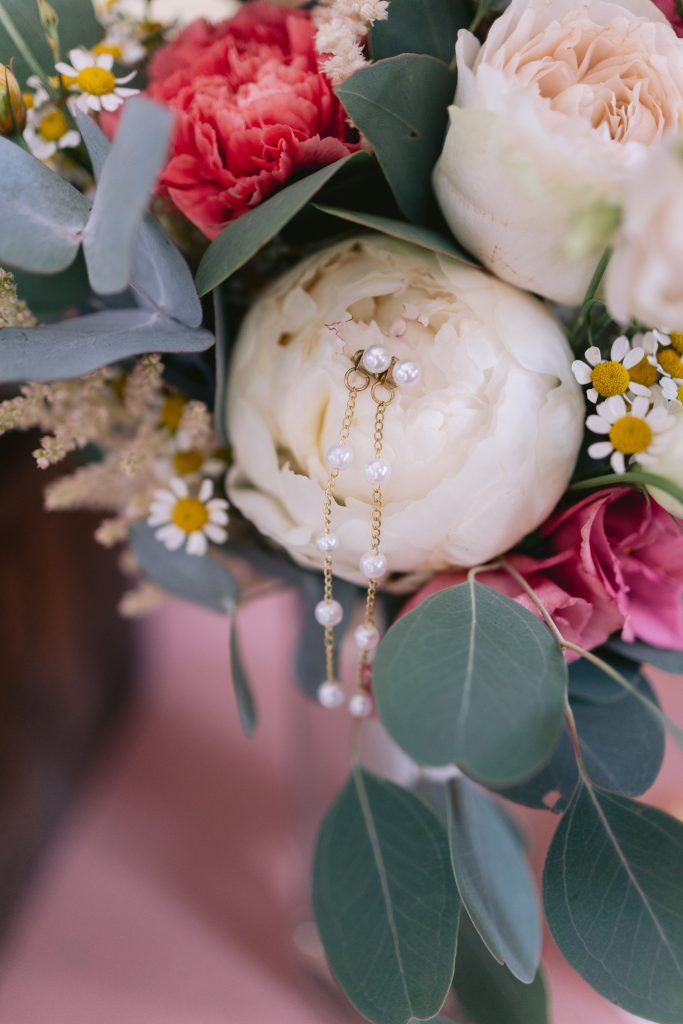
(91, 76)
(638, 432)
(551, 113)
(122, 43)
(48, 130)
(190, 463)
(482, 446)
(611, 376)
(188, 520)
(668, 463)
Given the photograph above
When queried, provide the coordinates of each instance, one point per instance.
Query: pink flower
(583, 620)
(618, 546)
(671, 10)
(252, 108)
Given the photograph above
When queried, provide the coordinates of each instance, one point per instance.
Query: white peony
(644, 280)
(482, 445)
(551, 114)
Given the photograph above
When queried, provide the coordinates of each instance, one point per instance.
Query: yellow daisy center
(96, 81)
(172, 412)
(670, 361)
(29, 100)
(679, 393)
(644, 373)
(53, 126)
(187, 462)
(630, 435)
(189, 515)
(677, 341)
(610, 378)
(113, 49)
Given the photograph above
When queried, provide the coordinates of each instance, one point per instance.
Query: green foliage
(426, 238)
(494, 879)
(244, 697)
(473, 678)
(401, 106)
(644, 654)
(385, 901)
(488, 992)
(243, 238)
(613, 893)
(420, 26)
(78, 26)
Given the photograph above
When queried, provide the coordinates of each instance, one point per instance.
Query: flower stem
(22, 46)
(587, 304)
(633, 478)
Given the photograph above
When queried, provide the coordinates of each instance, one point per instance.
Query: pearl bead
(340, 456)
(330, 694)
(406, 372)
(329, 613)
(373, 566)
(376, 359)
(326, 542)
(378, 471)
(366, 637)
(360, 705)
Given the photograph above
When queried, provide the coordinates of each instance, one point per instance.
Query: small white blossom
(637, 432)
(189, 520)
(90, 76)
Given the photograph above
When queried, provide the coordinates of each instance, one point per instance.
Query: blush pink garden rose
(253, 111)
(628, 551)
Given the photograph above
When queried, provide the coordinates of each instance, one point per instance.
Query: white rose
(482, 446)
(670, 466)
(550, 115)
(644, 280)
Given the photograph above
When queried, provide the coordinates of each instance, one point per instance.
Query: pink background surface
(176, 891)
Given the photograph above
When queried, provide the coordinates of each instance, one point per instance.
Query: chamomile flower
(671, 390)
(91, 77)
(637, 432)
(610, 377)
(48, 130)
(122, 43)
(188, 520)
(191, 464)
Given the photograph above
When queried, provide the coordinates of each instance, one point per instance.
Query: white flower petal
(81, 59)
(640, 407)
(215, 533)
(582, 371)
(615, 408)
(219, 518)
(618, 463)
(593, 355)
(639, 389)
(592, 395)
(620, 348)
(179, 487)
(598, 424)
(126, 79)
(105, 60)
(600, 450)
(93, 102)
(205, 491)
(197, 544)
(70, 140)
(633, 357)
(111, 102)
(171, 536)
(167, 498)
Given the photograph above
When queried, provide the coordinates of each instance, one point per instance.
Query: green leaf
(385, 901)
(244, 697)
(123, 192)
(42, 216)
(204, 581)
(78, 26)
(494, 879)
(242, 238)
(588, 682)
(613, 893)
(488, 993)
(472, 677)
(644, 654)
(72, 348)
(47, 296)
(426, 238)
(401, 106)
(420, 26)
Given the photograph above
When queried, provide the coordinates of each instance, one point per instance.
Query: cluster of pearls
(376, 368)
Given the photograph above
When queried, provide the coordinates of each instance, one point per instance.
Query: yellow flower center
(96, 81)
(113, 49)
(187, 462)
(53, 126)
(610, 378)
(677, 341)
(679, 393)
(29, 100)
(644, 373)
(630, 435)
(172, 412)
(670, 361)
(190, 515)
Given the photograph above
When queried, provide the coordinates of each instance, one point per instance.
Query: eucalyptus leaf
(644, 654)
(242, 238)
(426, 238)
(494, 879)
(420, 26)
(589, 682)
(613, 893)
(125, 185)
(488, 992)
(204, 581)
(244, 697)
(75, 347)
(78, 27)
(472, 677)
(47, 296)
(43, 217)
(401, 106)
(385, 901)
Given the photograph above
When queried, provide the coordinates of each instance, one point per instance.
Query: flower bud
(12, 106)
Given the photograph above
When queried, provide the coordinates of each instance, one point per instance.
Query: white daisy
(188, 520)
(91, 76)
(609, 377)
(122, 43)
(190, 464)
(48, 130)
(671, 390)
(638, 432)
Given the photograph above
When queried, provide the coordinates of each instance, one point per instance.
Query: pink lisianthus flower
(584, 620)
(619, 546)
(670, 9)
(252, 111)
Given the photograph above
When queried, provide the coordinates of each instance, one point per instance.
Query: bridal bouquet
(382, 300)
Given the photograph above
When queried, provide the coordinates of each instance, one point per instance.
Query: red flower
(253, 111)
(671, 10)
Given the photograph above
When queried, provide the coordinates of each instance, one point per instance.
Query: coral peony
(252, 108)
(623, 548)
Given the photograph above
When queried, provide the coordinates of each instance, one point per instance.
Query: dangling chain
(375, 369)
